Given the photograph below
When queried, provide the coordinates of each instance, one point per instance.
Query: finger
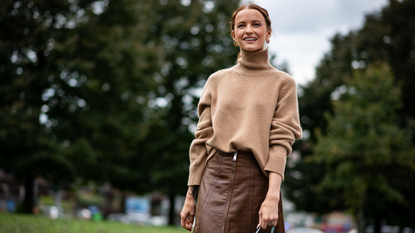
(275, 222)
(192, 214)
(188, 225)
(264, 224)
(181, 218)
(191, 220)
(260, 219)
(183, 221)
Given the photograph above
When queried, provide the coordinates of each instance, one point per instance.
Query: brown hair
(254, 7)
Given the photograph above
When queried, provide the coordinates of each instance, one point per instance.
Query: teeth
(251, 39)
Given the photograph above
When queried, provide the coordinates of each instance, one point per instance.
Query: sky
(302, 29)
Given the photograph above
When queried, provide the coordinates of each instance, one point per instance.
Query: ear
(233, 35)
(268, 34)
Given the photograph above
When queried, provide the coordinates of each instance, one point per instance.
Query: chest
(248, 94)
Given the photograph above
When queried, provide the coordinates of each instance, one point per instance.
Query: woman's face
(250, 30)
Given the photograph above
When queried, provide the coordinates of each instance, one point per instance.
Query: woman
(248, 121)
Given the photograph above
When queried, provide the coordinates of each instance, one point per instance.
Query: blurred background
(98, 108)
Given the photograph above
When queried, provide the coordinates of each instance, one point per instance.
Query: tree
(26, 39)
(74, 82)
(113, 53)
(364, 144)
(386, 36)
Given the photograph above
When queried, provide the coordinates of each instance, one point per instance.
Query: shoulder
(218, 75)
(284, 78)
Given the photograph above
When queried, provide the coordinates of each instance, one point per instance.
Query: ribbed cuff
(196, 171)
(195, 176)
(277, 159)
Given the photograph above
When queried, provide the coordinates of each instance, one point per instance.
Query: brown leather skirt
(230, 195)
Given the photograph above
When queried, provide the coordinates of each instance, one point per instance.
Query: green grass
(14, 223)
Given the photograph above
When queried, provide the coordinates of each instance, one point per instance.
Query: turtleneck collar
(254, 63)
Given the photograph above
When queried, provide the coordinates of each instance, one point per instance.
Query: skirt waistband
(241, 152)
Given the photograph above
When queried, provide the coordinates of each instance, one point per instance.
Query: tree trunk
(109, 199)
(123, 200)
(29, 196)
(358, 216)
(377, 226)
(171, 209)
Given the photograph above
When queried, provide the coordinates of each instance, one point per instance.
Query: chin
(252, 48)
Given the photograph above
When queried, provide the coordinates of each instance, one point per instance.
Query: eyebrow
(255, 20)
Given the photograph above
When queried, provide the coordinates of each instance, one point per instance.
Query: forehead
(248, 15)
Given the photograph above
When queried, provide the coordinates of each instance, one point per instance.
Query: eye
(240, 25)
(257, 24)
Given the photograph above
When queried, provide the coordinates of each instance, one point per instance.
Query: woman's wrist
(191, 191)
(274, 185)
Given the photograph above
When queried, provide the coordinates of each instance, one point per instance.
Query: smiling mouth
(250, 39)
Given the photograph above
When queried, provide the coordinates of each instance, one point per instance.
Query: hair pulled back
(254, 7)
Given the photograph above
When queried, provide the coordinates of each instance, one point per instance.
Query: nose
(248, 29)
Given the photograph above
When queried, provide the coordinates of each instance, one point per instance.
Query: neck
(257, 60)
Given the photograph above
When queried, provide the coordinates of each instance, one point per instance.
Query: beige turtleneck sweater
(249, 107)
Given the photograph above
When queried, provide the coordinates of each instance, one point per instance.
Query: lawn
(13, 223)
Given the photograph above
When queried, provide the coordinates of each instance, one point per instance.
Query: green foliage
(386, 37)
(28, 29)
(107, 90)
(11, 223)
(314, 101)
(364, 142)
(75, 78)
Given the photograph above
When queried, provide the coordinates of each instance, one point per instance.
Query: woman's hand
(189, 208)
(268, 214)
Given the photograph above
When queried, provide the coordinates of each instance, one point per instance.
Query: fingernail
(259, 224)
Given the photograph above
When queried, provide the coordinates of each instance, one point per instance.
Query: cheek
(261, 34)
(240, 34)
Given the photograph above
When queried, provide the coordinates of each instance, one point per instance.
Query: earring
(235, 43)
(267, 41)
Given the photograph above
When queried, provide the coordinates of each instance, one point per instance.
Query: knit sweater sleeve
(198, 150)
(285, 127)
